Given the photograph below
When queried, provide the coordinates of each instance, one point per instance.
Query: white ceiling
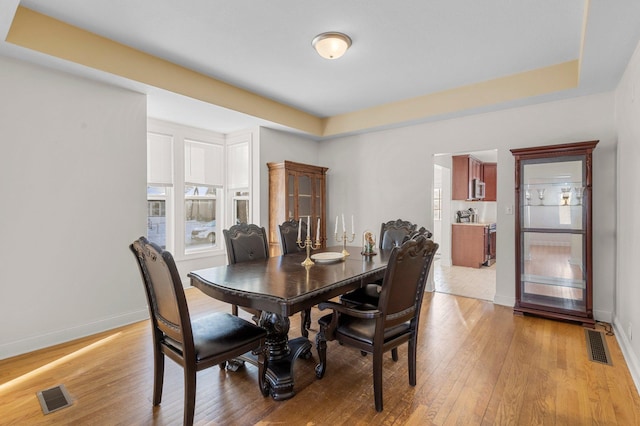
(400, 49)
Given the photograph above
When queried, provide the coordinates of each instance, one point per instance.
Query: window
(200, 216)
(437, 204)
(198, 183)
(241, 206)
(157, 215)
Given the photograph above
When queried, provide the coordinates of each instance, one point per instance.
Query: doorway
(477, 283)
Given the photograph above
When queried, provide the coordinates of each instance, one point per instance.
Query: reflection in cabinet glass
(553, 231)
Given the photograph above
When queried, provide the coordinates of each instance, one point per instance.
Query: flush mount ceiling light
(331, 45)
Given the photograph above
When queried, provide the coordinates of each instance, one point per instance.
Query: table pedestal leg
(282, 354)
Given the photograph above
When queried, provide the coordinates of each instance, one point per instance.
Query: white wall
(627, 294)
(389, 174)
(276, 146)
(73, 182)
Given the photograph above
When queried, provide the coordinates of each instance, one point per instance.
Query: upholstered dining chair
(195, 344)
(246, 242)
(392, 234)
(288, 241)
(422, 231)
(394, 322)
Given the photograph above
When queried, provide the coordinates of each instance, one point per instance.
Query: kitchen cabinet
(490, 175)
(296, 191)
(473, 244)
(464, 169)
(554, 258)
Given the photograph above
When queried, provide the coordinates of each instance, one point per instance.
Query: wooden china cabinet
(296, 191)
(554, 257)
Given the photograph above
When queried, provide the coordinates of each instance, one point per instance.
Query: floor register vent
(597, 347)
(53, 399)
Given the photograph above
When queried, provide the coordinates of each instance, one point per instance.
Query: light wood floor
(478, 364)
(479, 283)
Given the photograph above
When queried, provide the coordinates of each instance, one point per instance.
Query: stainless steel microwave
(477, 189)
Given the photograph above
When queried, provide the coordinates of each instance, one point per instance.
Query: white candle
(308, 225)
(336, 226)
(353, 228)
(318, 232)
(343, 227)
(299, 228)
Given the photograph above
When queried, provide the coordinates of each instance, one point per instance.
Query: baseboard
(504, 300)
(33, 343)
(633, 363)
(603, 316)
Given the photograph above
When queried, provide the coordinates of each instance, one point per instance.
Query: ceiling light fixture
(331, 45)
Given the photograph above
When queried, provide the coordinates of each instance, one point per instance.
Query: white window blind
(203, 163)
(159, 159)
(238, 162)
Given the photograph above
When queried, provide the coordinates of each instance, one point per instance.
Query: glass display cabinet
(296, 191)
(553, 231)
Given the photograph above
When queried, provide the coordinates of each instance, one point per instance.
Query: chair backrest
(405, 280)
(246, 242)
(393, 233)
(289, 236)
(422, 231)
(165, 296)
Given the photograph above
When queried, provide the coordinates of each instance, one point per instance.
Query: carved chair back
(289, 236)
(393, 233)
(246, 242)
(165, 296)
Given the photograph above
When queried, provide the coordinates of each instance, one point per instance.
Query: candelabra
(344, 239)
(308, 245)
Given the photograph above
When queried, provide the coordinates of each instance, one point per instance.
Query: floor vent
(597, 347)
(53, 399)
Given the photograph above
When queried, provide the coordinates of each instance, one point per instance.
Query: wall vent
(597, 347)
(53, 399)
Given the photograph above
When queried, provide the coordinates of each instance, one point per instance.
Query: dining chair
(422, 231)
(392, 234)
(195, 344)
(246, 242)
(288, 240)
(395, 320)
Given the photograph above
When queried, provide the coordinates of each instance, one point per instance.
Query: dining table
(280, 287)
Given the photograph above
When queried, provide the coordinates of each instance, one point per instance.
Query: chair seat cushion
(220, 332)
(363, 329)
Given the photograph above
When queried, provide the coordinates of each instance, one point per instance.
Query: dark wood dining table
(280, 287)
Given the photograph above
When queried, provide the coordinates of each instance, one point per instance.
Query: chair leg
(412, 360)
(377, 378)
(321, 346)
(189, 395)
(234, 310)
(394, 354)
(158, 375)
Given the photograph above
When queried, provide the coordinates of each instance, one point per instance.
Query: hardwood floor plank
(477, 364)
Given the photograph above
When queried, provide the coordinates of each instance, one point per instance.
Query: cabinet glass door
(304, 196)
(553, 233)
